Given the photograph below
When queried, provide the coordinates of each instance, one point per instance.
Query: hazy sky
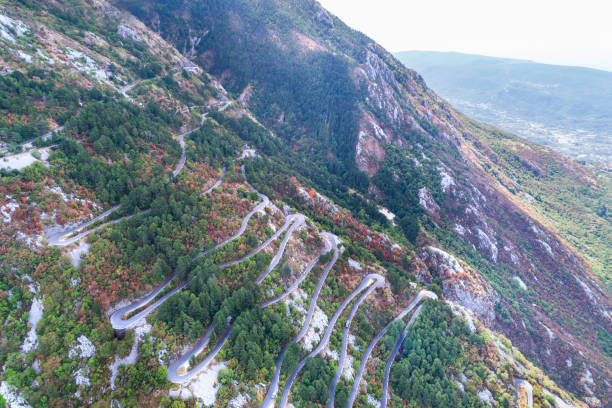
(568, 32)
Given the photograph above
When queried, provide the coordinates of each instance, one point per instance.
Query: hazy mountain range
(566, 108)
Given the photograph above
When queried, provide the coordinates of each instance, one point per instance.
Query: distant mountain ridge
(565, 107)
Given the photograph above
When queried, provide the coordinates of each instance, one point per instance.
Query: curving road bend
(181, 163)
(217, 183)
(116, 318)
(140, 302)
(366, 354)
(173, 368)
(245, 220)
(371, 279)
(63, 238)
(298, 221)
(330, 242)
(124, 91)
(128, 88)
(300, 279)
(290, 219)
(385, 385)
(330, 238)
(119, 323)
(199, 347)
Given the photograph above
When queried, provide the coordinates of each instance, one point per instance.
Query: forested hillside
(248, 204)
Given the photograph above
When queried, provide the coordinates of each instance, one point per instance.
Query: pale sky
(565, 32)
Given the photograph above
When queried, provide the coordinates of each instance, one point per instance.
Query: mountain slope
(143, 269)
(414, 148)
(566, 108)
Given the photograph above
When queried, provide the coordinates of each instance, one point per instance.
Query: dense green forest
(432, 348)
(28, 100)
(315, 90)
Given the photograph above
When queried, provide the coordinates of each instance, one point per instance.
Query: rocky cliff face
(479, 211)
(486, 215)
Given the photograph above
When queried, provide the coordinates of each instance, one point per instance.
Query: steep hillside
(316, 234)
(421, 157)
(566, 108)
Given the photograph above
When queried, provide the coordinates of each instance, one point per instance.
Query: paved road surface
(217, 183)
(177, 378)
(298, 220)
(289, 220)
(117, 320)
(344, 346)
(119, 323)
(330, 240)
(201, 345)
(245, 220)
(128, 88)
(61, 239)
(398, 344)
(366, 355)
(181, 162)
(372, 279)
(300, 279)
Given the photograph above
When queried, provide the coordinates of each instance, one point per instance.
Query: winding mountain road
(330, 242)
(63, 239)
(218, 183)
(288, 221)
(124, 91)
(344, 346)
(292, 222)
(173, 368)
(366, 354)
(201, 345)
(298, 220)
(371, 279)
(398, 344)
(313, 303)
(121, 324)
(245, 220)
(300, 279)
(181, 162)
